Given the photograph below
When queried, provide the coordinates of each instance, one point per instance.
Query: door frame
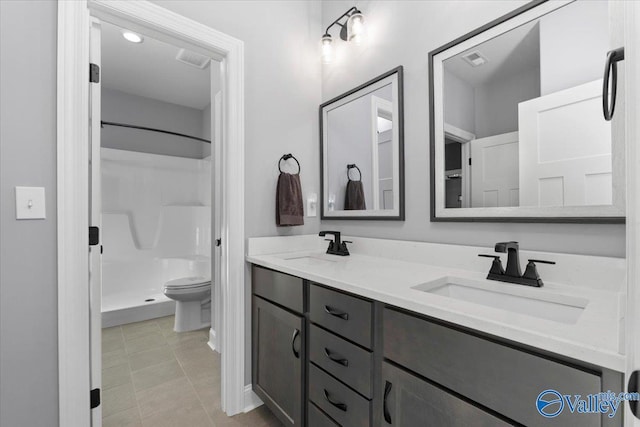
(73, 193)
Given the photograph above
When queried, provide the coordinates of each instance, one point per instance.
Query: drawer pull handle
(340, 360)
(334, 312)
(385, 407)
(296, 353)
(339, 405)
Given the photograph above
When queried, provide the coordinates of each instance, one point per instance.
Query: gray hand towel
(289, 209)
(354, 197)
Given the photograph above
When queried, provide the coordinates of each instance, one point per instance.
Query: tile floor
(153, 376)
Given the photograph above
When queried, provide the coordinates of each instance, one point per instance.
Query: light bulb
(356, 27)
(327, 49)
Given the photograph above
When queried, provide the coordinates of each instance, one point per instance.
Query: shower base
(135, 306)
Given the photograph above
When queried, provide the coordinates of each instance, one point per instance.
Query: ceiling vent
(193, 59)
(475, 58)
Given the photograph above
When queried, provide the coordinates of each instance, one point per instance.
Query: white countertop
(596, 336)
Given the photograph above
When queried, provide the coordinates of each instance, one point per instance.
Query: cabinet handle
(608, 107)
(334, 312)
(338, 405)
(296, 353)
(340, 360)
(385, 406)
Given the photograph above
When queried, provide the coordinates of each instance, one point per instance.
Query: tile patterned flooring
(153, 376)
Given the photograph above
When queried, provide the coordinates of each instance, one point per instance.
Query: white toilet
(193, 302)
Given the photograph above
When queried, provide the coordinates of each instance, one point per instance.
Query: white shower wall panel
(156, 227)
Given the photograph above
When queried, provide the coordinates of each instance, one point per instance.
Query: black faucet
(336, 247)
(513, 274)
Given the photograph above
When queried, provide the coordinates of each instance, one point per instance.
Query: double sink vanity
(400, 332)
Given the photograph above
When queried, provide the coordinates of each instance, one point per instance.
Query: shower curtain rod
(124, 125)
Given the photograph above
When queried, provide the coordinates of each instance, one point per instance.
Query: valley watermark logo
(551, 403)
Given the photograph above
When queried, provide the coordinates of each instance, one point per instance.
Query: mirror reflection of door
(531, 97)
(382, 138)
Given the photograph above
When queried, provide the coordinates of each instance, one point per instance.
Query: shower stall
(156, 219)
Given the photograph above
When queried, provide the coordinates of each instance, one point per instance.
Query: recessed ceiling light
(132, 37)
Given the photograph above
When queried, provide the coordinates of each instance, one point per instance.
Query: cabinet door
(409, 401)
(278, 343)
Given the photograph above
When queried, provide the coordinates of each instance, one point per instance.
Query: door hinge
(101, 250)
(94, 236)
(95, 398)
(469, 161)
(218, 242)
(94, 73)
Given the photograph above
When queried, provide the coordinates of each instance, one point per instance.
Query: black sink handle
(542, 261)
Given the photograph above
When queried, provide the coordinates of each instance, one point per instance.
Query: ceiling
(507, 54)
(150, 69)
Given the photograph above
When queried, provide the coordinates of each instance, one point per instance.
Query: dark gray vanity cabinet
(341, 358)
(410, 401)
(278, 337)
(496, 376)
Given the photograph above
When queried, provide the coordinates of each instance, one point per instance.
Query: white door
(95, 220)
(553, 129)
(216, 164)
(385, 170)
(494, 171)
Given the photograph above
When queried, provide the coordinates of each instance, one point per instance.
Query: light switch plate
(30, 203)
(312, 205)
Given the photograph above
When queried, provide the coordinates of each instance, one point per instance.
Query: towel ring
(287, 157)
(353, 166)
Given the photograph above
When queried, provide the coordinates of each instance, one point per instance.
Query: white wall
(496, 102)
(28, 262)
(402, 33)
(573, 45)
(459, 103)
(137, 110)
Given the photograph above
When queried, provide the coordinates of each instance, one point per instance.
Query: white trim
(73, 222)
(458, 134)
(73, 300)
(251, 400)
(213, 340)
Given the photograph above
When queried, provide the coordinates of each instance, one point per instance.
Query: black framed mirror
(362, 151)
(516, 123)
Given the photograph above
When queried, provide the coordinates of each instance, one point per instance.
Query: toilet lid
(187, 282)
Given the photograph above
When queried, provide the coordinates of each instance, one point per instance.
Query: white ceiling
(150, 69)
(507, 54)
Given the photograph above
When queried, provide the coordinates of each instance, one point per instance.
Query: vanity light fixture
(132, 37)
(352, 29)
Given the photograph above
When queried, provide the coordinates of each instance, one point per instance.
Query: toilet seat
(187, 283)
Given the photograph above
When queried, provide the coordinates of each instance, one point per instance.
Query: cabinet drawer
(499, 377)
(278, 287)
(344, 405)
(345, 315)
(317, 418)
(341, 359)
(409, 401)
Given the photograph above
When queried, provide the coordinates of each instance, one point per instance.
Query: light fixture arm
(343, 34)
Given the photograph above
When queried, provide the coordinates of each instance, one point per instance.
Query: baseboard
(251, 400)
(213, 341)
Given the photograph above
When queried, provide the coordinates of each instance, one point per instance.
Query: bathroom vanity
(367, 340)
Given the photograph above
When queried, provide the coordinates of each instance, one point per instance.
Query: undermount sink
(310, 258)
(559, 308)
